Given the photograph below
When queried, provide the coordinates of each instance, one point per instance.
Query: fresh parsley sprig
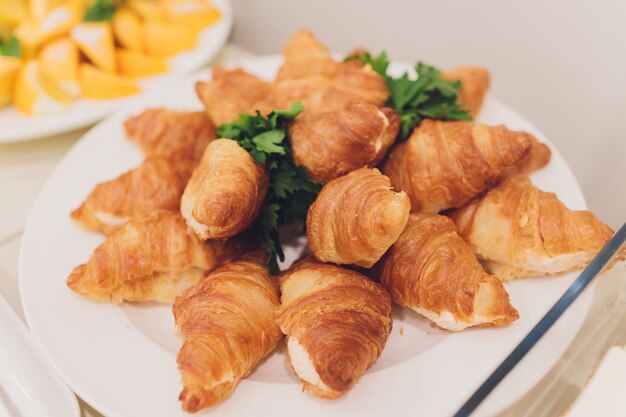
(102, 10)
(428, 96)
(10, 47)
(290, 191)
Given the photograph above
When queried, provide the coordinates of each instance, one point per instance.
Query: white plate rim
(245, 386)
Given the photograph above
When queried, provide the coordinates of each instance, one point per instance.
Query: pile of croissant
(177, 226)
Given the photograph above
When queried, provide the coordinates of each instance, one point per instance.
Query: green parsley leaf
(290, 191)
(277, 117)
(427, 96)
(100, 11)
(269, 142)
(10, 47)
(378, 64)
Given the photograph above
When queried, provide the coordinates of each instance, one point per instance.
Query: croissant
(227, 326)
(331, 144)
(355, 83)
(337, 322)
(517, 230)
(225, 192)
(232, 92)
(157, 183)
(538, 157)
(171, 134)
(445, 164)
(474, 85)
(311, 76)
(151, 258)
(433, 271)
(355, 218)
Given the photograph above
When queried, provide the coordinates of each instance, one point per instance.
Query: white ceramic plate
(15, 127)
(121, 359)
(28, 385)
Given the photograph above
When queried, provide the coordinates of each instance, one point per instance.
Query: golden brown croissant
(433, 271)
(171, 134)
(157, 183)
(234, 91)
(474, 86)
(355, 83)
(310, 75)
(225, 192)
(538, 157)
(445, 164)
(305, 56)
(331, 144)
(337, 322)
(227, 326)
(151, 258)
(355, 218)
(517, 230)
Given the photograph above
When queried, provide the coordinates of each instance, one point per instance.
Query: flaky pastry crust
(157, 183)
(339, 317)
(225, 192)
(517, 230)
(227, 326)
(355, 218)
(445, 164)
(175, 135)
(331, 144)
(151, 258)
(311, 76)
(433, 271)
(232, 92)
(474, 85)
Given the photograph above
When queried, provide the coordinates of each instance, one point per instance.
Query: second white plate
(16, 127)
(121, 359)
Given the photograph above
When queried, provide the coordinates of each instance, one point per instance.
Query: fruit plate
(121, 359)
(15, 127)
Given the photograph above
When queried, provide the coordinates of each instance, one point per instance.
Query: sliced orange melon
(194, 14)
(9, 67)
(33, 33)
(98, 84)
(59, 63)
(12, 12)
(127, 29)
(34, 94)
(95, 40)
(163, 39)
(39, 8)
(135, 64)
(147, 10)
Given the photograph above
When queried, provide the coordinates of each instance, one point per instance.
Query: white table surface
(24, 168)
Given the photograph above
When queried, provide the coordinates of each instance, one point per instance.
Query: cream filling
(378, 143)
(110, 219)
(302, 364)
(186, 208)
(226, 378)
(557, 264)
(446, 320)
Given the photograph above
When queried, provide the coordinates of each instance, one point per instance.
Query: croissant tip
(190, 402)
(75, 278)
(78, 213)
